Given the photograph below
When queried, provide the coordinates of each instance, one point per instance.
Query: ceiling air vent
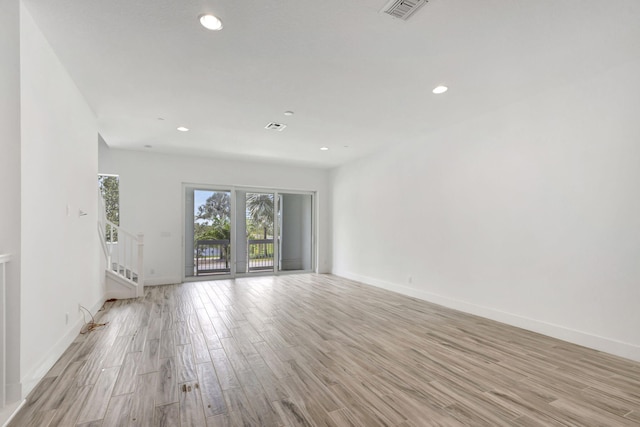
(275, 126)
(402, 9)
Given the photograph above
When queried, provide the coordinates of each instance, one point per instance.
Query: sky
(200, 197)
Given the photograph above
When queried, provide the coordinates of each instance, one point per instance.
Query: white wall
(529, 215)
(10, 179)
(60, 262)
(151, 199)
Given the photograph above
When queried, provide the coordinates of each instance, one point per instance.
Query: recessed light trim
(440, 89)
(148, 146)
(211, 22)
(183, 129)
(324, 148)
(288, 113)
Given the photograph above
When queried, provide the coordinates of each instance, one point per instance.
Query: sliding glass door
(207, 232)
(295, 232)
(260, 231)
(238, 231)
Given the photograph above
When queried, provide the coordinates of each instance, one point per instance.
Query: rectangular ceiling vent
(402, 9)
(275, 126)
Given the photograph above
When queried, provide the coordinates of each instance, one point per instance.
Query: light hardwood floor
(318, 350)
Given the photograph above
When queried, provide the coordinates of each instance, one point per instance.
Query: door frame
(233, 241)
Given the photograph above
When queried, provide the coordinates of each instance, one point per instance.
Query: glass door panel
(208, 232)
(295, 232)
(259, 223)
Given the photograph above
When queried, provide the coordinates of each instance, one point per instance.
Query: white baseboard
(166, 280)
(9, 411)
(32, 378)
(596, 342)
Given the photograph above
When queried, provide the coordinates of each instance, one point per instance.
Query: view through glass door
(207, 232)
(245, 232)
(256, 251)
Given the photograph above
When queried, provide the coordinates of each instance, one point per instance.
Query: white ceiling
(358, 80)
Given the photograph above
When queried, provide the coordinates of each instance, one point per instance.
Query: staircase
(124, 256)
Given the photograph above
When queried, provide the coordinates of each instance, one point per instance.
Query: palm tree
(260, 210)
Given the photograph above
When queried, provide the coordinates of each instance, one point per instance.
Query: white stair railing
(124, 251)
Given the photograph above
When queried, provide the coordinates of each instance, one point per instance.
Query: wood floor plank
(344, 418)
(319, 350)
(167, 384)
(150, 357)
(200, 349)
(167, 344)
(126, 381)
(222, 420)
(139, 339)
(154, 329)
(265, 413)
(240, 410)
(212, 396)
(191, 409)
(69, 409)
(117, 414)
(97, 423)
(186, 367)
(224, 370)
(98, 400)
(193, 325)
(62, 387)
(294, 413)
(117, 352)
(633, 416)
(167, 415)
(64, 360)
(181, 333)
(142, 401)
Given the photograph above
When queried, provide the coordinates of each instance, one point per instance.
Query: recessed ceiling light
(183, 129)
(148, 146)
(211, 22)
(324, 148)
(440, 89)
(288, 113)
(160, 118)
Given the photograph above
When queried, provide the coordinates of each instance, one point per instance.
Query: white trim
(207, 278)
(32, 378)
(163, 280)
(596, 342)
(8, 412)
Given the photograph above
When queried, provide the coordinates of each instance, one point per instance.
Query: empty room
(336, 213)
